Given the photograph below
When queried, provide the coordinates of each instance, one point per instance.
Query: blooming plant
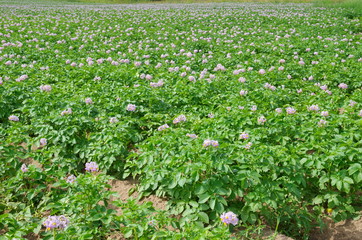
(254, 121)
(229, 218)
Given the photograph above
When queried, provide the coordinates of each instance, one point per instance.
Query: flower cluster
(72, 178)
(53, 222)
(248, 145)
(43, 141)
(279, 110)
(313, 108)
(91, 167)
(157, 84)
(244, 135)
(322, 123)
(13, 118)
(290, 110)
(113, 120)
(191, 135)
(324, 113)
(352, 103)
(209, 142)
(21, 78)
(219, 67)
(229, 218)
(45, 88)
(269, 86)
(181, 118)
(24, 168)
(66, 112)
(163, 127)
(131, 107)
(88, 101)
(261, 120)
(243, 92)
(343, 86)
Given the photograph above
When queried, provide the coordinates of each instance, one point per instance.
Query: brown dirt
(32, 236)
(270, 234)
(123, 187)
(345, 230)
(31, 161)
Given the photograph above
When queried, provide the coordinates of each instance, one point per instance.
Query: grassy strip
(155, 1)
(353, 7)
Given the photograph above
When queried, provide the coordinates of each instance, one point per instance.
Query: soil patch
(123, 187)
(345, 230)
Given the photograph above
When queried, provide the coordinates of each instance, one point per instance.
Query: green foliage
(73, 74)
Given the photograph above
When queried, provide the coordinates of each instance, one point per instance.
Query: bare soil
(123, 187)
(345, 230)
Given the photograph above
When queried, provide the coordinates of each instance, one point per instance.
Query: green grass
(169, 1)
(353, 8)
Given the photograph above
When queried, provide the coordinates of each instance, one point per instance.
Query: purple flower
(209, 142)
(261, 120)
(63, 221)
(192, 135)
(328, 92)
(214, 143)
(254, 108)
(244, 135)
(21, 78)
(324, 87)
(229, 218)
(66, 112)
(131, 107)
(24, 168)
(45, 88)
(279, 110)
(290, 110)
(219, 67)
(53, 222)
(248, 145)
(352, 103)
(157, 84)
(152, 223)
(148, 77)
(13, 118)
(91, 167)
(360, 113)
(343, 86)
(243, 92)
(113, 120)
(313, 108)
(181, 118)
(242, 79)
(322, 123)
(71, 179)
(43, 141)
(324, 113)
(163, 127)
(262, 71)
(88, 101)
